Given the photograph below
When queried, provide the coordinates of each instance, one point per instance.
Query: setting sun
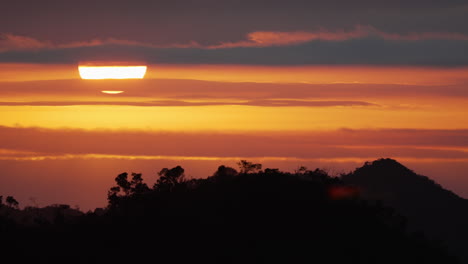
(112, 72)
(112, 92)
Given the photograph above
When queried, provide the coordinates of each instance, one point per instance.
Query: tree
(10, 201)
(247, 167)
(128, 188)
(301, 170)
(137, 185)
(123, 184)
(225, 172)
(316, 175)
(113, 195)
(169, 178)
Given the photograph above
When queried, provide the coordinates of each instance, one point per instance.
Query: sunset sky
(327, 84)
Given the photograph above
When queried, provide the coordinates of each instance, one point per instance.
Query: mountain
(438, 213)
(251, 216)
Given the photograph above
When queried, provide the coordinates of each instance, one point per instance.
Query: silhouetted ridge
(388, 171)
(390, 165)
(388, 179)
(429, 207)
(250, 215)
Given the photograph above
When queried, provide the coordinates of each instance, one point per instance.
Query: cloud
(263, 103)
(346, 143)
(274, 38)
(234, 92)
(359, 45)
(372, 50)
(10, 42)
(423, 36)
(165, 22)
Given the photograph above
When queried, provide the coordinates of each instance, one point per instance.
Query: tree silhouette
(123, 183)
(224, 172)
(271, 171)
(126, 188)
(301, 169)
(113, 195)
(10, 201)
(137, 185)
(317, 175)
(169, 178)
(248, 167)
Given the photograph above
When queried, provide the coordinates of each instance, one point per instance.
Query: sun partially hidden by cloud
(112, 72)
(112, 92)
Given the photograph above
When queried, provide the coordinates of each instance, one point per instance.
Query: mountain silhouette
(250, 215)
(430, 209)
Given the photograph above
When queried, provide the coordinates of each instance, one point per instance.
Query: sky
(327, 84)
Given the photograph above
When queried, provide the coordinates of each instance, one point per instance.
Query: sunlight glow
(112, 92)
(112, 72)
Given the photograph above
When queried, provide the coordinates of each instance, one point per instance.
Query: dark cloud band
(361, 51)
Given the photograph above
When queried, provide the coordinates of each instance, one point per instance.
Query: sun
(112, 72)
(112, 92)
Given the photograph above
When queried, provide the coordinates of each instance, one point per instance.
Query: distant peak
(385, 162)
(387, 179)
(385, 165)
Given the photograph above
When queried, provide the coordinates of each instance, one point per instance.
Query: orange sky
(244, 73)
(205, 116)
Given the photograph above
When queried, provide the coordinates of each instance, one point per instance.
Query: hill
(429, 208)
(250, 216)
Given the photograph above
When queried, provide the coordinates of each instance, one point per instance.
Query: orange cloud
(14, 42)
(276, 38)
(264, 103)
(249, 78)
(10, 42)
(20, 142)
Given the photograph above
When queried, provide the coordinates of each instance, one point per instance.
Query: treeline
(10, 201)
(249, 215)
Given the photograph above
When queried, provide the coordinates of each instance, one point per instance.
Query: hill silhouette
(246, 216)
(429, 208)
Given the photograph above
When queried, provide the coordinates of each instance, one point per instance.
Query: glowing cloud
(112, 72)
